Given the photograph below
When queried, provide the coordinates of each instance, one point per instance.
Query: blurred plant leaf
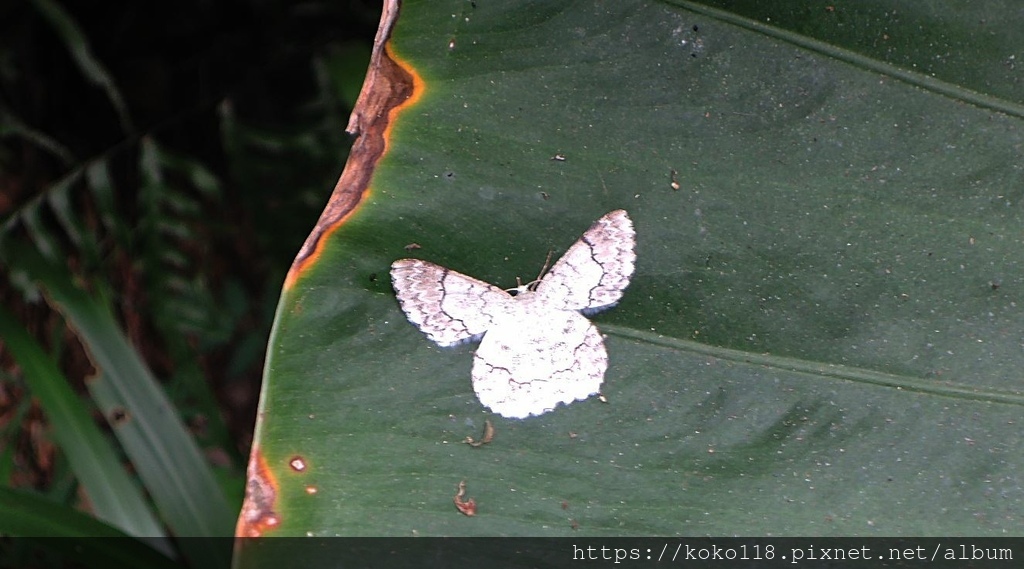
(11, 125)
(78, 46)
(160, 448)
(165, 245)
(98, 544)
(113, 497)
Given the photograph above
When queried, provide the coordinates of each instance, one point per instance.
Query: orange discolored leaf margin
(258, 515)
(390, 86)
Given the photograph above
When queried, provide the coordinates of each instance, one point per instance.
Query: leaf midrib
(839, 372)
(921, 80)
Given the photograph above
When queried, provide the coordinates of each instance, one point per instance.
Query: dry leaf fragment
(488, 436)
(468, 507)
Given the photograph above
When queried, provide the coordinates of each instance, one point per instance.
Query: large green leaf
(823, 335)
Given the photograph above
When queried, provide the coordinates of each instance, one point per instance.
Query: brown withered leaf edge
(258, 515)
(387, 86)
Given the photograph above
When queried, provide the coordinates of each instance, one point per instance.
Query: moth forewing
(448, 306)
(596, 269)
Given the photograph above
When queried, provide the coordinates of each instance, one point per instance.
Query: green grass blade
(160, 447)
(30, 515)
(114, 497)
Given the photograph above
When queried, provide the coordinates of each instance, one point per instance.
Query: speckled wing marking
(447, 306)
(537, 349)
(595, 271)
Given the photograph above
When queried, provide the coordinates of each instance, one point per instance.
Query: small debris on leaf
(468, 507)
(488, 436)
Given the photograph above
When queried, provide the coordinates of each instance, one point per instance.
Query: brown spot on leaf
(119, 416)
(297, 463)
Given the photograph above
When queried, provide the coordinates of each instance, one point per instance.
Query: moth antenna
(547, 265)
(532, 285)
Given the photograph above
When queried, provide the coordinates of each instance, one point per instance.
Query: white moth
(537, 349)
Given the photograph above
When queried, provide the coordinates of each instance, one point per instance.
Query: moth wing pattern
(594, 271)
(448, 306)
(558, 361)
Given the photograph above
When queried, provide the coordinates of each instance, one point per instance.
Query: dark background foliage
(221, 132)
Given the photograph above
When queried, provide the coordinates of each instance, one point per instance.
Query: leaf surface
(823, 334)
